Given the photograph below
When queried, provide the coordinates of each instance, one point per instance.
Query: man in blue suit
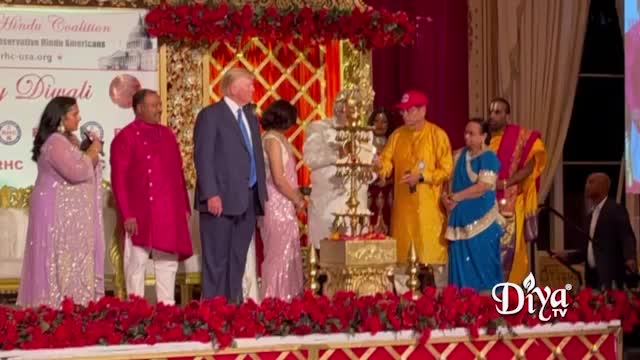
(230, 190)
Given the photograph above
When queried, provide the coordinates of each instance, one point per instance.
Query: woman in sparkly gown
(474, 227)
(64, 253)
(282, 264)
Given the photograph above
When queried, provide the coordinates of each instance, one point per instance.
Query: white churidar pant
(165, 267)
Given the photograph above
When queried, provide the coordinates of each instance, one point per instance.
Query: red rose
(394, 321)
(271, 11)
(224, 340)
(153, 330)
(201, 335)
(430, 292)
(19, 315)
(175, 333)
(303, 329)
(11, 338)
(67, 306)
(318, 316)
(114, 339)
(150, 340)
(373, 324)
(449, 295)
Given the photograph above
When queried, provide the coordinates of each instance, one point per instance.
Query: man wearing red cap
(420, 154)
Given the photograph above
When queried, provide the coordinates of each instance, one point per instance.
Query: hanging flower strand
(196, 23)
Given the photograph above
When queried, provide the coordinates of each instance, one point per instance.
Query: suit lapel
(233, 123)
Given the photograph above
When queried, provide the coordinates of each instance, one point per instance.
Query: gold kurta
(418, 216)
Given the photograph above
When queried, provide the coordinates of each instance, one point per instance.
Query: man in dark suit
(230, 190)
(610, 257)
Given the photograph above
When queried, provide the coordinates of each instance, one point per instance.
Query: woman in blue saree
(474, 227)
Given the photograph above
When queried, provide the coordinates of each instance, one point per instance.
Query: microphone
(84, 145)
(412, 188)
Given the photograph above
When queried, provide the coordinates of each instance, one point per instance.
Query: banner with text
(101, 57)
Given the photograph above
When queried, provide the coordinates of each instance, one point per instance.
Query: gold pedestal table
(363, 266)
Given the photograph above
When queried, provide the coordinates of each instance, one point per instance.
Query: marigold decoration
(197, 23)
(113, 321)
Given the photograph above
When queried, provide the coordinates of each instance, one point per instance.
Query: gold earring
(61, 128)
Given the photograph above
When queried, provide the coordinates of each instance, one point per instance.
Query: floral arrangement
(195, 22)
(113, 321)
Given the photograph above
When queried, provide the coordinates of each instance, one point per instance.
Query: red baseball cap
(412, 99)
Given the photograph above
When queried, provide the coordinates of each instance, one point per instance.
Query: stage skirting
(559, 341)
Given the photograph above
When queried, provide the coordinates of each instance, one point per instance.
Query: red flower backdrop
(366, 29)
(113, 321)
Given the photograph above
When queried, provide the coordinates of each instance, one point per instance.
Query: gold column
(117, 262)
(311, 282)
(413, 268)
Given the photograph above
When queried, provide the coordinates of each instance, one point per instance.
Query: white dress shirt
(595, 213)
(234, 110)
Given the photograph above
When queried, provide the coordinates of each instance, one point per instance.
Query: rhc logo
(92, 127)
(556, 300)
(10, 132)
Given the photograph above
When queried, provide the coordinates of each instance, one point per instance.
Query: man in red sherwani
(151, 197)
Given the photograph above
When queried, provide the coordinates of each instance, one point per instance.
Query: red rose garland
(113, 321)
(365, 29)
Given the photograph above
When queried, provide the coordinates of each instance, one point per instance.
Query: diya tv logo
(527, 294)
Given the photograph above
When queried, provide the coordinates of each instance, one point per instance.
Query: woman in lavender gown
(282, 265)
(64, 253)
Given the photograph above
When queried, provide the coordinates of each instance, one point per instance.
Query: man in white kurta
(329, 193)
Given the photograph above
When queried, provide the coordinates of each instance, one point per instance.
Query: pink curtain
(436, 64)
